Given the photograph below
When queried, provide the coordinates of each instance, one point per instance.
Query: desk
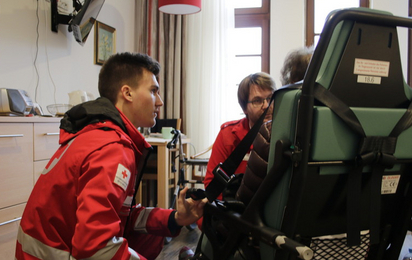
(163, 170)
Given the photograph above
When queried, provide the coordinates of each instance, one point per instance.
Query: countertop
(29, 119)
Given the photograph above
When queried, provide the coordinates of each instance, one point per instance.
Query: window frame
(310, 20)
(257, 17)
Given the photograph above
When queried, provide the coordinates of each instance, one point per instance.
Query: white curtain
(208, 79)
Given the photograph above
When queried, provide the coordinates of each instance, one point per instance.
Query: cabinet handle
(15, 135)
(49, 134)
(10, 221)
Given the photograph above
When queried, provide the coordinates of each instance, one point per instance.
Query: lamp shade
(180, 6)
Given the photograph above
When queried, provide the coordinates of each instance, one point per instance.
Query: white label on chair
(390, 184)
(369, 79)
(371, 67)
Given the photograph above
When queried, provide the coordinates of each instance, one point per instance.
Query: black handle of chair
(267, 235)
(276, 238)
(303, 252)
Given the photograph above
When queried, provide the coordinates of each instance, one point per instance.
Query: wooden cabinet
(45, 144)
(46, 140)
(16, 163)
(26, 145)
(166, 181)
(9, 224)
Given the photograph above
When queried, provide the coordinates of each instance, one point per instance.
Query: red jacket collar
(137, 138)
(241, 129)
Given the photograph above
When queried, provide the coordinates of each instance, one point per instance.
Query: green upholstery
(333, 140)
(284, 121)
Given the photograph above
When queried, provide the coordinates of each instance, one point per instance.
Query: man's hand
(188, 210)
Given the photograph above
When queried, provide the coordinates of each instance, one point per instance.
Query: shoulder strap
(225, 171)
(236, 157)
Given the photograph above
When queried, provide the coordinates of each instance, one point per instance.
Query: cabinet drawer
(9, 225)
(46, 140)
(16, 163)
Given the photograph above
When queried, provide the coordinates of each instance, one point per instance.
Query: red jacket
(230, 135)
(80, 204)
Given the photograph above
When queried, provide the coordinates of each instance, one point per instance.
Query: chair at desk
(175, 123)
(198, 164)
(157, 128)
(340, 161)
(149, 180)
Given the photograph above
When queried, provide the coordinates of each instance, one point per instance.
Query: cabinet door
(9, 225)
(46, 140)
(16, 163)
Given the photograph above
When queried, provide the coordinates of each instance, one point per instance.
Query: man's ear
(126, 92)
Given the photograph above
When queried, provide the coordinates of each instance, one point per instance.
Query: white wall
(287, 32)
(71, 65)
(399, 9)
(288, 29)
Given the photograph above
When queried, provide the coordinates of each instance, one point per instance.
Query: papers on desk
(156, 135)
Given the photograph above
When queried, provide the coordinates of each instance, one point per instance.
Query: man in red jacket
(254, 94)
(82, 206)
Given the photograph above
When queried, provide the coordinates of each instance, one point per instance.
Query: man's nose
(159, 101)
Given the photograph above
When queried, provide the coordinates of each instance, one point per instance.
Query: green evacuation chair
(339, 180)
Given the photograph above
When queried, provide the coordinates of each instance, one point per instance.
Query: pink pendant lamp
(180, 6)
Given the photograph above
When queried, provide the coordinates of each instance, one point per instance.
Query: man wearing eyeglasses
(292, 72)
(254, 94)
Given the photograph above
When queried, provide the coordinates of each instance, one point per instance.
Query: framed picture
(104, 42)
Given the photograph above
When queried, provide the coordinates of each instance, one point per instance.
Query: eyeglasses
(258, 102)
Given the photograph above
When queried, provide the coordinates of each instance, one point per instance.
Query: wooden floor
(185, 238)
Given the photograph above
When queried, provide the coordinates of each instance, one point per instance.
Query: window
(317, 11)
(252, 20)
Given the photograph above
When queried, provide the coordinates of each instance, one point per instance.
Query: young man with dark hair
(82, 205)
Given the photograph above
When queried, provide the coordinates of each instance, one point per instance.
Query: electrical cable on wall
(47, 57)
(37, 52)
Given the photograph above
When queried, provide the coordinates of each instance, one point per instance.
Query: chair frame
(251, 224)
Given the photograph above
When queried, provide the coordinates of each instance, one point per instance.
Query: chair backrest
(157, 128)
(342, 177)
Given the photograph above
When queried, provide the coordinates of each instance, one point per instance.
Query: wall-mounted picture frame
(104, 42)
